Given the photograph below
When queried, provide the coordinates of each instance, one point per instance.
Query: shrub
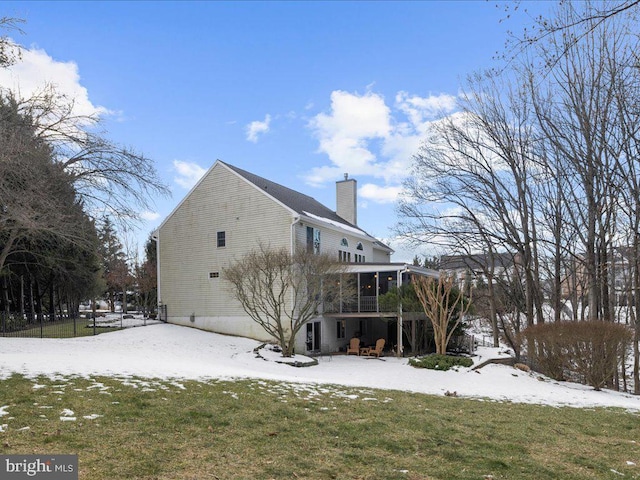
(440, 362)
(590, 351)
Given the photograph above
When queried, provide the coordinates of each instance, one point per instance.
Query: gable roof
(296, 201)
(300, 203)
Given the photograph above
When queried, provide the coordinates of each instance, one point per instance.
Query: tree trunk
(21, 297)
(52, 303)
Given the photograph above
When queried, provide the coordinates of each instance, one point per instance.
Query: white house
(229, 213)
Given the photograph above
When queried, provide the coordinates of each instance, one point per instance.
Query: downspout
(292, 247)
(377, 292)
(400, 347)
(296, 220)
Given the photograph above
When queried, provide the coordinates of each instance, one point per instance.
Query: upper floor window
(344, 256)
(221, 239)
(313, 240)
(344, 242)
(359, 246)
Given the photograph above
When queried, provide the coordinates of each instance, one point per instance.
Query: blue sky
(297, 92)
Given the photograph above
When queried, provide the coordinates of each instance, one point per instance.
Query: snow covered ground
(120, 320)
(172, 352)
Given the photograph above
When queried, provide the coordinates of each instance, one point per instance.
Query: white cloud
(37, 69)
(188, 173)
(149, 216)
(378, 194)
(362, 135)
(421, 110)
(257, 128)
(345, 132)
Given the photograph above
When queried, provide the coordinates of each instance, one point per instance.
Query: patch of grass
(251, 429)
(440, 362)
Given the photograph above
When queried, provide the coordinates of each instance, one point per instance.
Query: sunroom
(362, 314)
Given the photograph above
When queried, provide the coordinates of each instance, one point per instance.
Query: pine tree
(115, 269)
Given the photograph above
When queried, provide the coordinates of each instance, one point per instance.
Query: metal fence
(88, 324)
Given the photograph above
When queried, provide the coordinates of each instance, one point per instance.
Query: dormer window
(344, 242)
(359, 246)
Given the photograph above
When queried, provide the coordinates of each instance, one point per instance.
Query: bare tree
(576, 112)
(627, 92)
(542, 162)
(586, 16)
(111, 179)
(9, 50)
(281, 292)
(444, 305)
(37, 196)
(474, 179)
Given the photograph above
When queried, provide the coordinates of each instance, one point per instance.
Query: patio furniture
(354, 346)
(378, 350)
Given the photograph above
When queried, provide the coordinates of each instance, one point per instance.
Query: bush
(440, 362)
(587, 351)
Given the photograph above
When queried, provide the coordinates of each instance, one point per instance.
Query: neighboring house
(473, 269)
(229, 213)
(620, 270)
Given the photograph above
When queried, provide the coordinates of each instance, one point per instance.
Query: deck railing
(359, 305)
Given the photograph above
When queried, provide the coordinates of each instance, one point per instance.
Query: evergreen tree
(115, 269)
(147, 278)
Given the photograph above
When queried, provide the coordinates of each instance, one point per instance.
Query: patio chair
(378, 350)
(354, 346)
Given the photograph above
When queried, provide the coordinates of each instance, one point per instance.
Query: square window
(221, 239)
(214, 274)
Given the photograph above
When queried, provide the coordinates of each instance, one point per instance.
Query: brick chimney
(347, 199)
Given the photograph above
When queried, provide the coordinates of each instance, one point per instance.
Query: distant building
(472, 269)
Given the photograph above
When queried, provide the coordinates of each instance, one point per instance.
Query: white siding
(330, 238)
(381, 256)
(188, 250)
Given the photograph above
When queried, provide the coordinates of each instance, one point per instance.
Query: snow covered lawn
(172, 352)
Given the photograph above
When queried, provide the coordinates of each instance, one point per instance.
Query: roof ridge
(247, 174)
(298, 202)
